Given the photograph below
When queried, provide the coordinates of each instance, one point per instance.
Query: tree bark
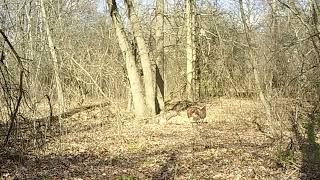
(190, 49)
(144, 56)
(275, 43)
(159, 90)
(136, 90)
(54, 59)
(252, 56)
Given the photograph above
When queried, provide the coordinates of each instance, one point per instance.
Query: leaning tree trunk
(190, 49)
(54, 60)
(144, 56)
(159, 90)
(252, 56)
(136, 89)
(275, 43)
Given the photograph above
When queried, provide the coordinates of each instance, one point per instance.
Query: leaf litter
(102, 143)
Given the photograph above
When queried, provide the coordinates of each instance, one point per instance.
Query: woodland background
(62, 57)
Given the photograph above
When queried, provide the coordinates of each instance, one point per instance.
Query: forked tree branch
(13, 114)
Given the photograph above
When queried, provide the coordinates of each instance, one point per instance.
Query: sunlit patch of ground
(96, 145)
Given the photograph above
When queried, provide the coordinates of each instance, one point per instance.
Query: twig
(13, 115)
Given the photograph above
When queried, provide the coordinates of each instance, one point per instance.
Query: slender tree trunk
(54, 60)
(252, 56)
(29, 31)
(39, 32)
(159, 90)
(136, 89)
(275, 43)
(190, 49)
(144, 56)
(313, 15)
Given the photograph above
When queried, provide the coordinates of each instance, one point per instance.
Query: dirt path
(228, 145)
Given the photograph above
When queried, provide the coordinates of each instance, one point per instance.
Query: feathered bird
(197, 112)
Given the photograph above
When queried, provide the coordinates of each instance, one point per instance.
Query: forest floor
(231, 143)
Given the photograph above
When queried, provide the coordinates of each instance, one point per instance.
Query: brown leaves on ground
(228, 145)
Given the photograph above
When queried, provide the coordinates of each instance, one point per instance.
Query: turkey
(197, 112)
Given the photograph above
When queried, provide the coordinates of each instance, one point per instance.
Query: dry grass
(97, 145)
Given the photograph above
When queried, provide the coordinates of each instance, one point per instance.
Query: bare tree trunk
(54, 59)
(252, 56)
(314, 15)
(159, 90)
(144, 56)
(136, 90)
(190, 49)
(275, 39)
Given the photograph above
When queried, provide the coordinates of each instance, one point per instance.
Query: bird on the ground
(197, 112)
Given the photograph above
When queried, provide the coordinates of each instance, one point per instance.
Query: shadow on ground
(86, 166)
(167, 163)
(310, 167)
(218, 149)
(311, 149)
(36, 132)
